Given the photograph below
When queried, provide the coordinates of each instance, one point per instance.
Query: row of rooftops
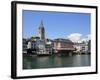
(54, 40)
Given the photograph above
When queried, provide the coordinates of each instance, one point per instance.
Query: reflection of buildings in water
(43, 62)
(27, 64)
(77, 60)
(81, 60)
(57, 61)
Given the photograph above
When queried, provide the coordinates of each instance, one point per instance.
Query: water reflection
(36, 62)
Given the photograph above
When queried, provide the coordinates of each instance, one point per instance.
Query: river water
(54, 61)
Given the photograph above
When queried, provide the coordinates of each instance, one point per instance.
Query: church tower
(41, 31)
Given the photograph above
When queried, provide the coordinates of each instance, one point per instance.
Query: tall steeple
(41, 24)
(41, 31)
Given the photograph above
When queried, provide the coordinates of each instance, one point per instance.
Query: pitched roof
(63, 40)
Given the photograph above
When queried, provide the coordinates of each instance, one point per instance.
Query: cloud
(86, 38)
(75, 37)
(89, 36)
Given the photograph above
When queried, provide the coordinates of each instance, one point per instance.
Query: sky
(57, 24)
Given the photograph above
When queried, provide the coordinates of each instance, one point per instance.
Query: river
(54, 61)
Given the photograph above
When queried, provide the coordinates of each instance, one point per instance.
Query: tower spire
(41, 24)
(41, 31)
